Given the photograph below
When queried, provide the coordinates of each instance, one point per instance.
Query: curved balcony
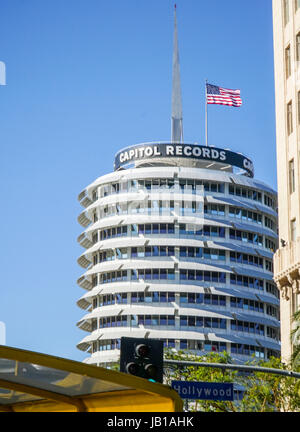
(85, 283)
(84, 241)
(84, 262)
(177, 288)
(156, 333)
(83, 219)
(84, 199)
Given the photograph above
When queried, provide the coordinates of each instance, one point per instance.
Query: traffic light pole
(142, 357)
(244, 368)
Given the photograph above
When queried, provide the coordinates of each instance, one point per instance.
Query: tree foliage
(259, 392)
(295, 339)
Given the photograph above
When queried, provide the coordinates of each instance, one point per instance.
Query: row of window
(269, 223)
(251, 216)
(214, 209)
(184, 229)
(184, 321)
(200, 275)
(153, 274)
(199, 298)
(134, 252)
(254, 328)
(134, 229)
(245, 236)
(153, 297)
(247, 327)
(206, 230)
(252, 238)
(198, 252)
(184, 252)
(184, 275)
(111, 344)
(206, 322)
(242, 258)
(250, 350)
(246, 304)
(148, 207)
(185, 344)
(270, 244)
(245, 215)
(160, 297)
(186, 208)
(246, 281)
(273, 311)
(200, 185)
(256, 261)
(162, 185)
(185, 298)
(197, 345)
(272, 289)
(245, 193)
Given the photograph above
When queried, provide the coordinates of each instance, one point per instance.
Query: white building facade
(179, 241)
(286, 36)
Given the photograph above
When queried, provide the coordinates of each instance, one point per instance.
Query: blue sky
(85, 78)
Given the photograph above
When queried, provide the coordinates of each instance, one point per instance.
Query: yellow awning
(31, 381)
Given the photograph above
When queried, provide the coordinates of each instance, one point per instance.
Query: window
(214, 209)
(95, 216)
(286, 12)
(183, 344)
(293, 230)
(289, 118)
(292, 176)
(287, 62)
(298, 46)
(297, 5)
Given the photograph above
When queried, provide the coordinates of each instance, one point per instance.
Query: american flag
(223, 96)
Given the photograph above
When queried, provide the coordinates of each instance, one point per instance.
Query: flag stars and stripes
(223, 96)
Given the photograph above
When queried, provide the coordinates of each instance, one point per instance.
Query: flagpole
(206, 129)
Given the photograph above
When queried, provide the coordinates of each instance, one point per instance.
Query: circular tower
(178, 241)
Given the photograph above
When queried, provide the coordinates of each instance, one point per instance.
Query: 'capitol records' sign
(190, 151)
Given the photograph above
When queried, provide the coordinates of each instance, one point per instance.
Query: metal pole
(244, 368)
(206, 130)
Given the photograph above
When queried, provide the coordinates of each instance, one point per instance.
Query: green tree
(263, 392)
(266, 392)
(192, 373)
(295, 340)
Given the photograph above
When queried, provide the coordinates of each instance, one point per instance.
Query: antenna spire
(177, 126)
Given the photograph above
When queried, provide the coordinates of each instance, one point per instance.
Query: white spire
(177, 127)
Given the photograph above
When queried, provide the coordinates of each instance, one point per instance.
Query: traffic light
(142, 358)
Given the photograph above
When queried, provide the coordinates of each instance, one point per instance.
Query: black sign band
(190, 151)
